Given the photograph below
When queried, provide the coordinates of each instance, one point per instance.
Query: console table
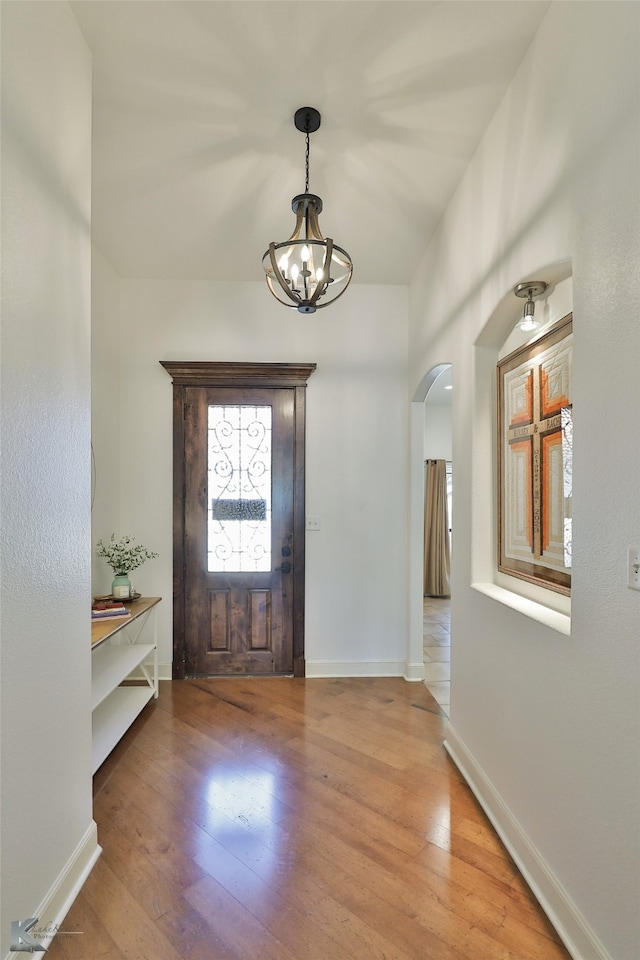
(116, 651)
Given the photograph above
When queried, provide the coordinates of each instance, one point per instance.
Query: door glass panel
(239, 488)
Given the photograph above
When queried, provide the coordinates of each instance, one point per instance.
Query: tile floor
(437, 649)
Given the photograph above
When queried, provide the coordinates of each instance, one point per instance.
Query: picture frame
(535, 439)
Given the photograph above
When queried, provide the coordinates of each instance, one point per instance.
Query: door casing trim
(236, 374)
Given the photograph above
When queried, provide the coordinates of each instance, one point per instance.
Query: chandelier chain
(306, 164)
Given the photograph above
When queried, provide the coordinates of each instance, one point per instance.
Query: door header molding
(205, 373)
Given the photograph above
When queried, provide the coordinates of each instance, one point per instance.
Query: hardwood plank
(397, 804)
(285, 912)
(192, 936)
(88, 939)
(154, 891)
(344, 815)
(528, 943)
(418, 902)
(235, 924)
(513, 896)
(281, 819)
(355, 937)
(122, 916)
(404, 931)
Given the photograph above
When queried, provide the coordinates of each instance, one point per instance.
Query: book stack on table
(109, 610)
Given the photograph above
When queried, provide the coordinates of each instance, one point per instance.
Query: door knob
(285, 567)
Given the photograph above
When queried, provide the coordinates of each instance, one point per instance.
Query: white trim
(57, 902)
(165, 671)
(571, 926)
(530, 608)
(415, 638)
(358, 668)
(336, 668)
(413, 672)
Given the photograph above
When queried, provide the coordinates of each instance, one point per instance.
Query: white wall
(105, 411)
(546, 723)
(357, 448)
(48, 835)
(437, 432)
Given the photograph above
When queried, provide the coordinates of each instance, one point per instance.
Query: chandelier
(306, 271)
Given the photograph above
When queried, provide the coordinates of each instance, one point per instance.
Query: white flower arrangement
(123, 555)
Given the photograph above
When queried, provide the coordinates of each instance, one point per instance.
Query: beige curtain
(437, 564)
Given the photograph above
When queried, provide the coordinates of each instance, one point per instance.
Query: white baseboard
(571, 926)
(165, 672)
(58, 900)
(329, 668)
(358, 668)
(413, 672)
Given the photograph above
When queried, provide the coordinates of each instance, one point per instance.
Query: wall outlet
(633, 568)
(313, 523)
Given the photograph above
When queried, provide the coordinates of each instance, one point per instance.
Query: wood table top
(103, 629)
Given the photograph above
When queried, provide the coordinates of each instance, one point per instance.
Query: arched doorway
(436, 611)
(431, 440)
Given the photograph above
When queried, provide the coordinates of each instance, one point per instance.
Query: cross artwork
(535, 474)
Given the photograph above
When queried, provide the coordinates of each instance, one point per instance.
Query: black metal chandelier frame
(307, 267)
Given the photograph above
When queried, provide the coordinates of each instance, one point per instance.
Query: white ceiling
(195, 155)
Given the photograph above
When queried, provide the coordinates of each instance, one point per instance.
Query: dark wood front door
(238, 519)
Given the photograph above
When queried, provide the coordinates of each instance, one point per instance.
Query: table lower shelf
(110, 665)
(114, 716)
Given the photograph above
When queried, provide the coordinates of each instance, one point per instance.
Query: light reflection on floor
(244, 812)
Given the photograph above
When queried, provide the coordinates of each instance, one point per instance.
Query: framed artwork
(535, 432)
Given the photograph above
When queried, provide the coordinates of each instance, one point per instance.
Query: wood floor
(282, 819)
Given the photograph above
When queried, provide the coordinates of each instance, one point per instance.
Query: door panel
(239, 481)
